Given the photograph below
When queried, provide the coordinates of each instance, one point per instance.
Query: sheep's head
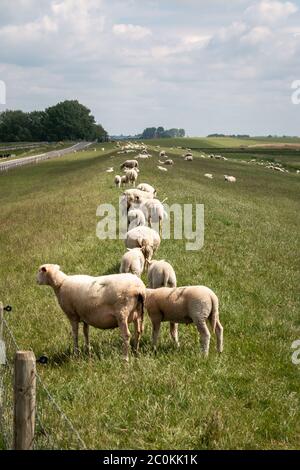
(45, 273)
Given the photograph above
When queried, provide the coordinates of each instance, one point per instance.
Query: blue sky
(205, 65)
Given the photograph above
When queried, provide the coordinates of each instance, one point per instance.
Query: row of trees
(68, 120)
(160, 132)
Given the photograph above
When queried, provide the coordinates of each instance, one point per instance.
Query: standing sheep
(132, 176)
(153, 210)
(162, 274)
(136, 218)
(104, 302)
(191, 304)
(230, 179)
(134, 260)
(141, 236)
(118, 180)
(130, 164)
(147, 188)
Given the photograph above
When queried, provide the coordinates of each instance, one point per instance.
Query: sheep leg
(155, 334)
(219, 334)
(174, 332)
(138, 328)
(204, 336)
(86, 337)
(160, 227)
(75, 326)
(150, 221)
(125, 333)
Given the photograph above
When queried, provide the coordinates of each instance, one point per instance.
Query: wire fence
(53, 428)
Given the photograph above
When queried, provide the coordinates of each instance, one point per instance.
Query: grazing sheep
(208, 175)
(134, 260)
(147, 188)
(161, 168)
(124, 180)
(230, 179)
(136, 218)
(169, 162)
(162, 274)
(188, 158)
(162, 153)
(134, 194)
(153, 211)
(142, 236)
(190, 304)
(118, 181)
(104, 302)
(130, 164)
(132, 176)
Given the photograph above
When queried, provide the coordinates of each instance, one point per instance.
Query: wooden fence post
(24, 400)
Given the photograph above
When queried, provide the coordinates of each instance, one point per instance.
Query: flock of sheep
(116, 300)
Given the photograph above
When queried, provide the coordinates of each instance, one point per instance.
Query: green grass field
(247, 398)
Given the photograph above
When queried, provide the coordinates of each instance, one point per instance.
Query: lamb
(190, 304)
(162, 274)
(104, 302)
(136, 218)
(230, 179)
(134, 260)
(142, 236)
(147, 188)
(118, 181)
(124, 180)
(130, 164)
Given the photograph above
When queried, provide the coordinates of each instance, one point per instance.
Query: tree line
(160, 132)
(67, 120)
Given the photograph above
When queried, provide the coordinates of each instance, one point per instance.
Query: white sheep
(208, 175)
(169, 162)
(132, 176)
(110, 170)
(136, 218)
(190, 304)
(124, 180)
(230, 179)
(162, 153)
(147, 188)
(161, 168)
(133, 261)
(118, 181)
(104, 302)
(153, 210)
(162, 274)
(142, 236)
(188, 158)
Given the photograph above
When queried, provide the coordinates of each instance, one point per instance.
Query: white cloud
(270, 11)
(131, 31)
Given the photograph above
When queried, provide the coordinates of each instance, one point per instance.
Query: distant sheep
(188, 158)
(130, 164)
(162, 153)
(104, 302)
(161, 168)
(190, 304)
(208, 175)
(169, 162)
(132, 176)
(230, 179)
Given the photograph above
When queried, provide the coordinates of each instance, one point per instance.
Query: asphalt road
(43, 156)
